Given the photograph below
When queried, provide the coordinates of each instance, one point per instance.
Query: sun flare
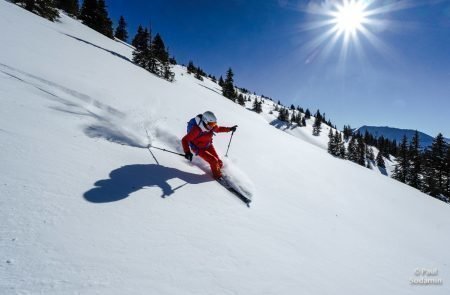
(347, 26)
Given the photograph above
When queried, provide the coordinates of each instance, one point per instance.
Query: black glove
(188, 156)
(233, 129)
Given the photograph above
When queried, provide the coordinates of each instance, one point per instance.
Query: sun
(348, 24)
(349, 17)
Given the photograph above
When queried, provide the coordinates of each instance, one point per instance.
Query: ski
(226, 184)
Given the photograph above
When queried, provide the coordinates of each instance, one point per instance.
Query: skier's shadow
(128, 179)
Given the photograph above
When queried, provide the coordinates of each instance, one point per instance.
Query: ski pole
(164, 150)
(232, 133)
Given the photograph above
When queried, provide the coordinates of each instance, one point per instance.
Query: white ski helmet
(209, 119)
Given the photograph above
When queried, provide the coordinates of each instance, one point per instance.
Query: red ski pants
(210, 155)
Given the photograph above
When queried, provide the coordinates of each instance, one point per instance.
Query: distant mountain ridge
(397, 134)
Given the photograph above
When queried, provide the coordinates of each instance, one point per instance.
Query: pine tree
(221, 82)
(142, 52)
(103, 22)
(402, 166)
(447, 175)
(44, 8)
(307, 114)
(332, 143)
(283, 115)
(317, 126)
(370, 154)
(436, 181)
(338, 144)
(137, 38)
(380, 160)
(94, 14)
(228, 86)
(303, 122)
(167, 70)
(158, 55)
(318, 115)
(415, 169)
(361, 152)
(347, 132)
(198, 75)
(241, 100)
(88, 13)
(69, 6)
(352, 150)
(429, 175)
(257, 106)
(121, 30)
(293, 116)
(159, 49)
(342, 151)
(191, 68)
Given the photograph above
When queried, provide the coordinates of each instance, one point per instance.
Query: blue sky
(401, 80)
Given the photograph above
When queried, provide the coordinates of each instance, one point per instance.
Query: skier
(199, 139)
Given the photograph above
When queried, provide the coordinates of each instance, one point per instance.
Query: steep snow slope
(81, 204)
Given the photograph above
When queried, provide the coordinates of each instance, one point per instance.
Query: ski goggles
(211, 124)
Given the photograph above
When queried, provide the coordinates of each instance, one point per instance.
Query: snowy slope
(305, 132)
(81, 204)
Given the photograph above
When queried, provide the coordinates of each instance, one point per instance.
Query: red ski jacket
(199, 139)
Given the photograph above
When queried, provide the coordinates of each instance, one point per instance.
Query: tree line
(427, 170)
(150, 52)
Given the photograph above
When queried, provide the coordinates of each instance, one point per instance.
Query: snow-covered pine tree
(331, 143)
(167, 69)
(293, 116)
(142, 51)
(317, 128)
(255, 106)
(342, 151)
(338, 143)
(303, 121)
(370, 154)
(352, 150)
(361, 154)
(121, 30)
